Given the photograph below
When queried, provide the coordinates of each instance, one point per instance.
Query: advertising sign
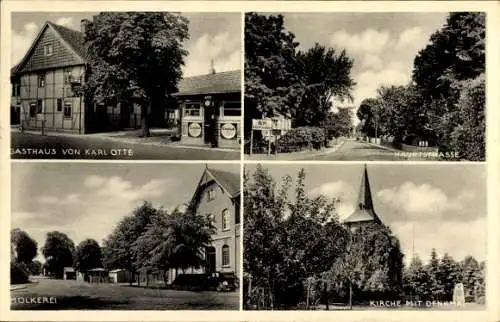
(194, 130)
(228, 131)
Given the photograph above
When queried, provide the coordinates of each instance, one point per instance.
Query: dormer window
(48, 50)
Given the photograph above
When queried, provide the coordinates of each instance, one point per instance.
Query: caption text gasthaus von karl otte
(71, 152)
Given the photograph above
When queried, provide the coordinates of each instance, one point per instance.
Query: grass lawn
(74, 295)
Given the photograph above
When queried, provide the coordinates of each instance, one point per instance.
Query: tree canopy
(58, 252)
(87, 255)
(25, 248)
(135, 57)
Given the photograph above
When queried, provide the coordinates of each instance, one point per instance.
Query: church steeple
(364, 211)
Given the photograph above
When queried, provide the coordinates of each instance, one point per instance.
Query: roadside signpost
(275, 126)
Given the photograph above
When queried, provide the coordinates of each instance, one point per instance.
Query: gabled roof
(72, 39)
(365, 211)
(216, 83)
(228, 181)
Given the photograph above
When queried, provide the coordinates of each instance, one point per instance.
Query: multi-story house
(46, 87)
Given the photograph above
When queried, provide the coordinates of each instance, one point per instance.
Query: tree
(339, 123)
(24, 247)
(378, 263)
(280, 255)
(416, 280)
(119, 250)
(135, 57)
(272, 84)
(449, 275)
(58, 252)
(456, 53)
(435, 286)
(176, 240)
(87, 255)
(468, 138)
(326, 75)
(35, 267)
(367, 114)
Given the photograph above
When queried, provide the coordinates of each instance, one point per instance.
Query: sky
(87, 200)
(214, 36)
(383, 45)
(440, 206)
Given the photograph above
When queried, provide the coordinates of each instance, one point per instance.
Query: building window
(32, 109)
(231, 109)
(225, 255)
(41, 80)
(67, 76)
(237, 214)
(59, 105)
(225, 219)
(48, 50)
(39, 107)
(67, 109)
(210, 217)
(211, 194)
(16, 89)
(192, 109)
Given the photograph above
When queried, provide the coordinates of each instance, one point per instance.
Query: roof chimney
(212, 69)
(83, 25)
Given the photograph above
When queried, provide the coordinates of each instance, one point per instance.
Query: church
(364, 212)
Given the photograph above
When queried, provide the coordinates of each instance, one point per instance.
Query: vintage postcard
(250, 161)
(354, 237)
(129, 85)
(365, 86)
(121, 237)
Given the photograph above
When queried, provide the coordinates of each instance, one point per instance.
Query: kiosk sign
(228, 131)
(194, 130)
(262, 124)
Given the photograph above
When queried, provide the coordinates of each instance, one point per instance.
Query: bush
(18, 273)
(301, 138)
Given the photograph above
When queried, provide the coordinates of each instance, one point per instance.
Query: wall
(54, 89)
(222, 237)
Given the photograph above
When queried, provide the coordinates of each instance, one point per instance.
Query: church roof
(365, 211)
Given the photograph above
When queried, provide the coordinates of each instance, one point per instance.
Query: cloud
(66, 21)
(423, 236)
(91, 213)
(380, 57)
(93, 181)
(340, 190)
(53, 200)
(368, 41)
(424, 202)
(21, 41)
(223, 48)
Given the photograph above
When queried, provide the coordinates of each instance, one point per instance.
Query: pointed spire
(364, 210)
(365, 201)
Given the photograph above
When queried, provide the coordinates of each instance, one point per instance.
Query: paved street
(35, 146)
(353, 150)
(75, 295)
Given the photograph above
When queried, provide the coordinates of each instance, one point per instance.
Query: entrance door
(124, 115)
(211, 259)
(210, 128)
